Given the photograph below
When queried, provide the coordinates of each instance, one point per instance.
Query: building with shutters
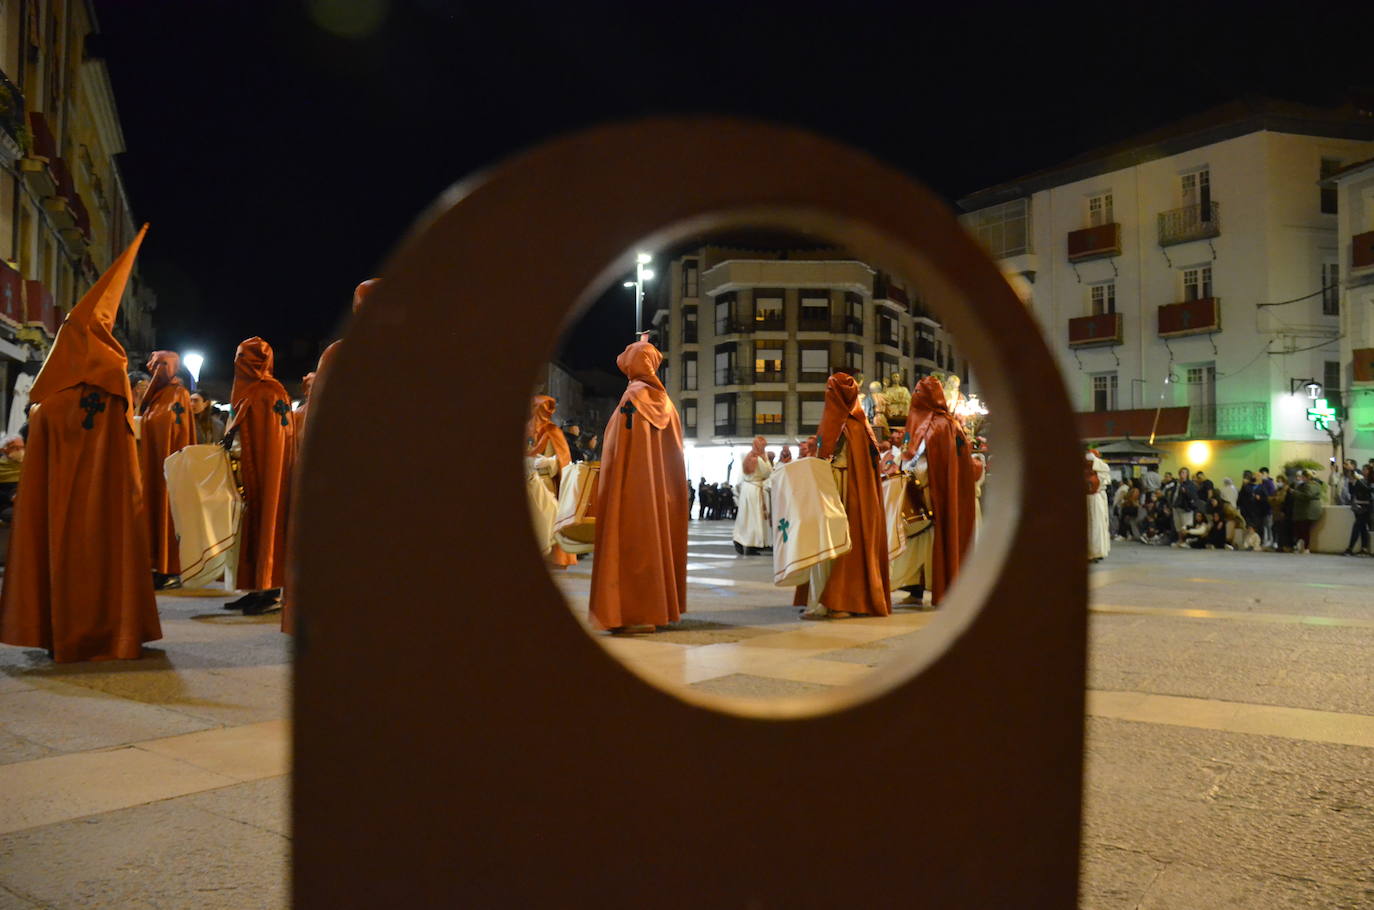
(1352, 191)
(64, 211)
(750, 335)
(1188, 280)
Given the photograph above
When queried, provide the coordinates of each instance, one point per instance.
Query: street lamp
(193, 363)
(642, 274)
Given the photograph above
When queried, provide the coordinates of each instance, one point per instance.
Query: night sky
(279, 149)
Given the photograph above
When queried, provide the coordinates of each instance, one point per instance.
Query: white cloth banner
(18, 402)
(809, 521)
(574, 524)
(894, 498)
(206, 510)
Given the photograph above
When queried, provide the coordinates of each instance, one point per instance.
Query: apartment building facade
(750, 336)
(64, 209)
(1188, 282)
(1352, 191)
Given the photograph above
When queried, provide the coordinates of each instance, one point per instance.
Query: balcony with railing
(1241, 420)
(925, 349)
(768, 427)
(734, 325)
(1091, 331)
(814, 323)
(39, 308)
(770, 323)
(11, 295)
(1191, 317)
(888, 338)
(36, 166)
(1362, 360)
(734, 375)
(1095, 242)
(1190, 222)
(848, 325)
(761, 376)
(1362, 251)
(12, 121)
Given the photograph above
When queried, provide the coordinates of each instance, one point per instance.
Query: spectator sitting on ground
(1195, 534)
(1160, 529)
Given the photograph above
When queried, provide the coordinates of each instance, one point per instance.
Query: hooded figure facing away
(262, 421)
(167, 427)
(639, 572)
(930, 427)
(77, 581)
(857, 581)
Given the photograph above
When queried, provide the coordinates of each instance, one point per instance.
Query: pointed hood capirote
(86, 350)
(640, 363)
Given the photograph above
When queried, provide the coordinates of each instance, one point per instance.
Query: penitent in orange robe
(262, 417)
(639, 568)
(77, 581)
(952, 477)
(858, 579)
(544, 439)
(167, 428)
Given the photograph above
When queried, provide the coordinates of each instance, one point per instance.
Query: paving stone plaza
(1230, 758)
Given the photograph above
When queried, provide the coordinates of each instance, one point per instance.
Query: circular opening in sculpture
(756, 460)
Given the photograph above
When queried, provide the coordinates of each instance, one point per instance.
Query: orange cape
(78, 579)
(639, 570)
(952, 474)
(540, 435)
(167, 427)
(858, 579)
(262, 415)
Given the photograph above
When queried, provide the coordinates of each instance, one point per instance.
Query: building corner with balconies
(64, 210)
(1190, 280)
(750, 334)
(1351, 190)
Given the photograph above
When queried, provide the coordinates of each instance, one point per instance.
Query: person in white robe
(1099, 534)
(753, 528)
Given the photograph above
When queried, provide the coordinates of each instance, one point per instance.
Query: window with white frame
(689, 416)
(768, 416)
(1003, 230)
(689, 371)
(768, 307)
(1197, 283)
(1196, 187)
(811, 411)
(1104, 392)
(1331, 288)
(1100, 210)
(1102, 298)
(815, 361)
(768, 363)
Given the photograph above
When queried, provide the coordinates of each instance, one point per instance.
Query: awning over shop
(1130, 450)
(1139, 422)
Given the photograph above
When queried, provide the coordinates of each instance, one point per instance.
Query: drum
(809, 521)
(574, 527)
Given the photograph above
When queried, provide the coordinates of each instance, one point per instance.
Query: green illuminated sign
(1321, 414)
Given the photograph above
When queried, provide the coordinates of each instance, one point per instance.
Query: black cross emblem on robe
(92, 405)
(629, 411)
(282, 410)
(178, 410)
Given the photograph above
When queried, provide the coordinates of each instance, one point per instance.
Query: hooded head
(252, 364)
(86, 350)
(540, 429)
(927, 403)
(162, 368)
(841, 403)
(639, 362)
(362, 290)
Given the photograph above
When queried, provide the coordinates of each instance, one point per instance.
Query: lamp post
(193, 362)
(642, 274)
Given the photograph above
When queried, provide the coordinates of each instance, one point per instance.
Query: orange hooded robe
(859, 579)
(544, 439)
(77, 581)
(167, 427)
(262, 416)
(950, 490)
(639, 570)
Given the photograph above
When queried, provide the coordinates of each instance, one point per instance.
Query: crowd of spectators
(1264, 512)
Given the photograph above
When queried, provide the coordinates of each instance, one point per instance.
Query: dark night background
(279, 160)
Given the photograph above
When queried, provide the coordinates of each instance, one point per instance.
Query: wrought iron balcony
(733, 325)
(1089, 331)
(12, 119)
(1192, 317)
(1095, 242)
(1191, 222)
(769, 376)
(734, 375)
(1242, 420)
(770, 323)
(814, 324)
(1362, 250)
(772, 428)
